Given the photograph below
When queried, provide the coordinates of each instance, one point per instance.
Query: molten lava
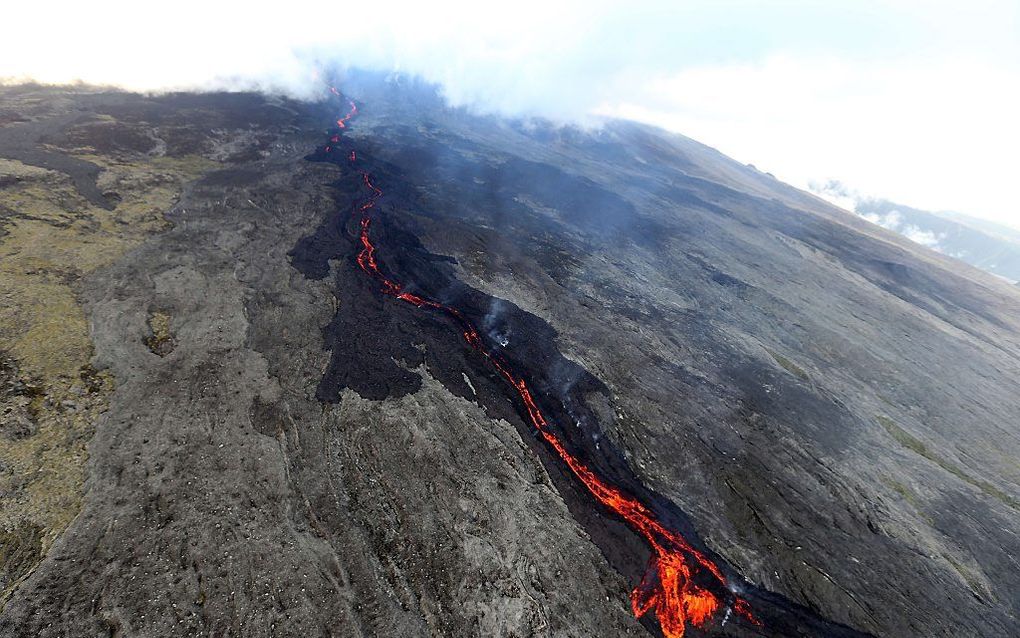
(670, 585)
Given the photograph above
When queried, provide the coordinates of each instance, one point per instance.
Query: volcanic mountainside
(375, 366)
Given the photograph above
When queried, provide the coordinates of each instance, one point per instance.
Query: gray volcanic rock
(823, 407)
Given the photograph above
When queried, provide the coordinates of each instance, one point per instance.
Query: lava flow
(681, 584)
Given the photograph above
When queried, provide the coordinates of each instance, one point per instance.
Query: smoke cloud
(913, 100)
(556, 59)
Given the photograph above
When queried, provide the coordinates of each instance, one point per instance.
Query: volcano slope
(824, 411)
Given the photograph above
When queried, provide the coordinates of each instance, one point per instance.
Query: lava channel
(670, 587)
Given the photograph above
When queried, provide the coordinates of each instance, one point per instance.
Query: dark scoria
(315, 457)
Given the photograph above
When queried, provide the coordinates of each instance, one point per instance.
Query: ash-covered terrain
(231, 407)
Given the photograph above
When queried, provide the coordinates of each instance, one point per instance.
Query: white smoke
(557, 59)
(852, 199)
(838, 193)
(914, 100)
(493, 324)
(894, 221)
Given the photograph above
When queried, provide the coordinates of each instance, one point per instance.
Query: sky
(914, 101)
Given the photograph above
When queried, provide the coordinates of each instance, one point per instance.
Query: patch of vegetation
(20, 400)
(20, 551)
(160, 341)
(51, 238)
(788, 365)
(907, 495)
(975, 586)
(902, 490)
(903, 437)
(918, 446)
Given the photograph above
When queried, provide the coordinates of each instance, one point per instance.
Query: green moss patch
(160, 340)
(788, 365)
(917, 446)
(20, 551)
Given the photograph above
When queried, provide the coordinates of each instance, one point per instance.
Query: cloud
(893, 221)
(851, 199)
(836, 192)
(923, 237)
(936, 133)
(914, 100)
(550, 58)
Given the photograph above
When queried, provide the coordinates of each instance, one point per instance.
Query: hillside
(233, 406)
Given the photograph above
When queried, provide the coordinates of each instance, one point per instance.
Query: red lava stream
(668, 587)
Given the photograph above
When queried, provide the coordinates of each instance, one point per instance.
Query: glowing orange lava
(668, 587)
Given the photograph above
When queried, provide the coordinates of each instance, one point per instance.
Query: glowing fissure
(668, 587)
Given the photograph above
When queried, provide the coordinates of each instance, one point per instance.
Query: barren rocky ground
(212, 423)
